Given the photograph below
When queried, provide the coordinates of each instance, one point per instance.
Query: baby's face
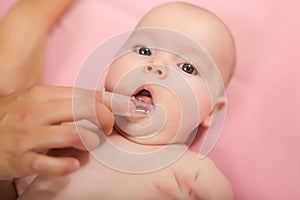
(167, 80)
(172, 74)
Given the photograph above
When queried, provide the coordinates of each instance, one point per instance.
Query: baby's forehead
(185, 18)
(197, 23)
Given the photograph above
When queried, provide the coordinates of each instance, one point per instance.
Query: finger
(55, 92)
(52, 166)
(82, 106)
(35, 163)
(66, 110)
(82, 156)
(49, 93)
(105, 118)
(125, 105)
(62, 136)
(93, 96)
(95, 111)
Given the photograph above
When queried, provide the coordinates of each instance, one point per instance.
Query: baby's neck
(121, 142)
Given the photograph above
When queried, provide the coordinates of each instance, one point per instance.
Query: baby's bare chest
(96, 181)
(171, 182)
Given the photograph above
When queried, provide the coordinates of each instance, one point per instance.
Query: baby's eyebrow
(189, 54)
(186, 48)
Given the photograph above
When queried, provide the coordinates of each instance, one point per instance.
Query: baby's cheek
(111, 79)
(204, 102)
(172, 107)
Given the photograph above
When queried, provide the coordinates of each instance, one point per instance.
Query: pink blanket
(260, 145)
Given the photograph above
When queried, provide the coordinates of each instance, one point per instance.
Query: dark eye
(187, 68)
(145, 51)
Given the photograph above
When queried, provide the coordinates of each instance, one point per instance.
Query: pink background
(259, 149)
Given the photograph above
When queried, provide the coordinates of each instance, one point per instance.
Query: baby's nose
(159, 70)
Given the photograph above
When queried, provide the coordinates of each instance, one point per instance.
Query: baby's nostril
(149, 68)
(159, 72)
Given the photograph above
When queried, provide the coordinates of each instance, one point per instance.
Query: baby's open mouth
(142, 99)
(143, 95)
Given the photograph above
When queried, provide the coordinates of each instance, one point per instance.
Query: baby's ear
(220, 104)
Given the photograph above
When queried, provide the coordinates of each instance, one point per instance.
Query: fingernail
(94, 142)
(108, 131)
(76, 165)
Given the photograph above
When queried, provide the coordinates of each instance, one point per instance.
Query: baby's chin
(159, 139)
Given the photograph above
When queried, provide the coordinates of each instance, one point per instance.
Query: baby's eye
(187, 68)
(142, 50)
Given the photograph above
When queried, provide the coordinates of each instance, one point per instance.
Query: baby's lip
(144, 93)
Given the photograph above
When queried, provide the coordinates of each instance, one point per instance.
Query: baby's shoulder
(194, 162)
(200, 178)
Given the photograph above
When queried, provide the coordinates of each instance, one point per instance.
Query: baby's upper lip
(143, 87)
(144, 93)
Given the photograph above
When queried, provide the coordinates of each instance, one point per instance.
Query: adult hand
(30, 123)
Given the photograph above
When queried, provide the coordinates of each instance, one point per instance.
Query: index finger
(119, 104)
(126, 106)
(50, 93)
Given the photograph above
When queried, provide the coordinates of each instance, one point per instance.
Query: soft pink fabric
(260, 145)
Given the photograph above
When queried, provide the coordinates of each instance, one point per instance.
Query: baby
(163, 68)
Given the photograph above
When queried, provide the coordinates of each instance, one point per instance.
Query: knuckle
(30, 95)
(70, 136)
(74, 138)
(19, 143)
(36, 91)
(104, 113)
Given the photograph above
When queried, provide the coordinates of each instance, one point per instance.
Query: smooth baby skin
(187, 178)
